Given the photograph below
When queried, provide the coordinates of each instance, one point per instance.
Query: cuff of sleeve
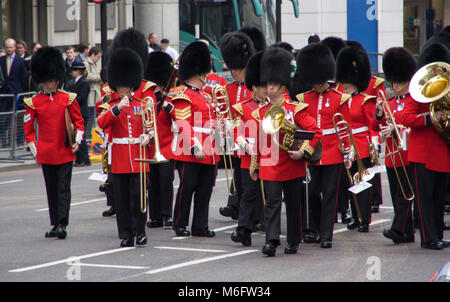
(79, 137)
(168, 108)
(306, 148)
(115, 110)
(33, 149)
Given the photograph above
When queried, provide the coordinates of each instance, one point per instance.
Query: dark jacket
(18, 72)
(81, 88)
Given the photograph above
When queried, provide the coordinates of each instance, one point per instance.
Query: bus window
(266, 22)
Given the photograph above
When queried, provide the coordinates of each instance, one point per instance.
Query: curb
(17, 167)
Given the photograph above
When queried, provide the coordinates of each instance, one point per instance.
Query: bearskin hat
(134, 39)
(253, 70)
(315, 64)
(277, 65)
(313, 38)
(159, 67)
(194, 60)
(284, 45)
(355, 43)
(47, 63)
(335, 44)
(399, 65)
(442, 37)
(236, 49)
(257, 37)
(353, 66)
(433, 53)
(125, 69)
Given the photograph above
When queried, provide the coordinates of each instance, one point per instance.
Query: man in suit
(81, 87)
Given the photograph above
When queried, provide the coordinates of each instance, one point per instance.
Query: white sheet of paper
(98, 177)
(363, 185)
(377, 169)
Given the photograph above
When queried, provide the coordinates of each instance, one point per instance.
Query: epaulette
(344, 96)
(367, 97)
(255, 114)
(105, 106)
(300, 97)
(238, 108)
(106, 89)
(181, 96)
(72, 97)
(29, 102)
(299, 107)
(378, 82)
(148, 84)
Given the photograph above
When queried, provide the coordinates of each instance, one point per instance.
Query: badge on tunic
(327, 103)
(400, 106)
(137, 110)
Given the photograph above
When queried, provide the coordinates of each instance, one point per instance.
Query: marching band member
(125, 73)
(399, 66)
(196, 154)
(53, 149)
(251, 207)
(353, 73)
(282, 171)
(159, 69)
(317, 65)
(236, 49)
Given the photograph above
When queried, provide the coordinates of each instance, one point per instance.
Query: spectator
(83, 52)
(80, 86)
(21, 49)
(31, 85)
(70, 59)
(93, 76)
(169, 50)
(153, 42)
(2, 52)
(313, 38)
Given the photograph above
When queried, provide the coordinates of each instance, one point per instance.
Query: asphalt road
(91, 251)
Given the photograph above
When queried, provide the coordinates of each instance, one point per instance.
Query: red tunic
(211, 80)
(425, 145)
(275, 164)
(50, 116)
(237, 93)
(195, 124)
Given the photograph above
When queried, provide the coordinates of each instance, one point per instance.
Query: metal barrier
(8, 108)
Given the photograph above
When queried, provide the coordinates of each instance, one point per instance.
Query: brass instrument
(223, 112)
(431, 84)
(374, 156)
(275, 122)
(397, 139)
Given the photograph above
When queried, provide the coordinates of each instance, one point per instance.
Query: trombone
(223, 112)
(398, 144)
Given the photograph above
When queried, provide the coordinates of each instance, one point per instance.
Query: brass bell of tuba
(275, 122)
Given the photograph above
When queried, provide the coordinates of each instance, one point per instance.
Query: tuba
(431, 84)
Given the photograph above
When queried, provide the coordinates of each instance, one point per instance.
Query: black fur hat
(442, 37)
(284, 45)
(236, 49)
(194, 60)
(335, 44)
(253, 70)
(259, 42)
(355, 43)
(47, 63)
(159, 68)
(125, 69)
(399, 65)
(353, 67)
(277, 64)
(433, 53)
(315, 64)
(134, 39)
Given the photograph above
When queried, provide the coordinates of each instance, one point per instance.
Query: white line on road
(189, 249)
(112, 266)
(70, 259)
(199, 261)
(372, 223)
(10, 181)
(86, 171)
(77, 203)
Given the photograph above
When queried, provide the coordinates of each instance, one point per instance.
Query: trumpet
(222, 107)
(398, 143)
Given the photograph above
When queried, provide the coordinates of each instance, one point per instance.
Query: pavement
(22, 161)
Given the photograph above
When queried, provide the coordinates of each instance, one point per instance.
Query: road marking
(70, 259)
(112, 266)
(215, 230)
(85, 172)
(189, 249)
(380, 221)
(77, 203)
(199, 261)
(10, 181)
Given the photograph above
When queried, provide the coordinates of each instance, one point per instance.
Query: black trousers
(344, 195)
(127, 193)
(235, 197)
(363, 198)
(251, 208)
(109, 191)
(83, 152)
(57, 183)
(430, 201)
(292, 191)
(403, 220)
(196, 181)
(160, 190)
(376, 191)
(323, 194)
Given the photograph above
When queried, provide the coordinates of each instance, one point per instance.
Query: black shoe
(346, 217)
(229, 212)
(167, 222)
(445, 243)
(154, 223)
(61, 232)
(291, 249)
(353, 225)
(51, 233)
(110, 212)
(127, 242)
(181, 231)
(433, 245)
(363, 228)
(326, 244)
(311, 237)
(269, 249)
(242, 236)
(141, 239)
(375, 209)
(203, 233)
(395, 236)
